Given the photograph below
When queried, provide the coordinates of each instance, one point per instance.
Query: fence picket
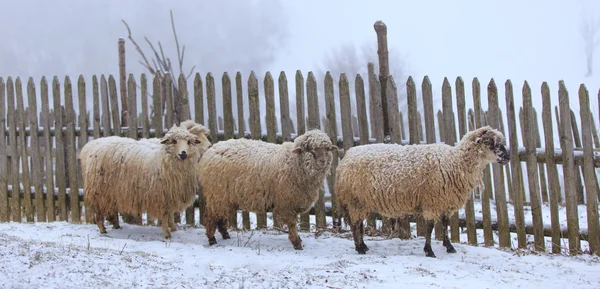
(211, 104)
(241, 131)
(4, 176)
(331, 130)
(255, 129)
(566, 143)
(589, 171)
(36, 156)
(23, 151)
(71, 153)
(553, 183)
(105, 107)
(314, 122)
(284, 108)
(485, 195)
(198, 100)
(144, 98)
(114, 106)
(228, 128)
(48, 160)
(516, 173)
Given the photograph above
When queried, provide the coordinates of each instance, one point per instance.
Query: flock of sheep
(161, 177)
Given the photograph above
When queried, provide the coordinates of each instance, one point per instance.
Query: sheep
(154, 175)
(252, 175)
(432, 180)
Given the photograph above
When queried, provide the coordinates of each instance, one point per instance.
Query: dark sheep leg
(172, 225)
(165, 226)
(114, 220)
(211, 228)
(447, 244)
(427, 248)
(293, 234)
(222, 225)
(358, 230)
(100, 223)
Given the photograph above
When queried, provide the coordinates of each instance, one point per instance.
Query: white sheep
(255, 176)
(433, 180)
(123, 175)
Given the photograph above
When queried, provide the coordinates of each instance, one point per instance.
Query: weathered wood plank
(228, 128)
(577, 144)
(553, 183)
(450, 139)
(167, 92)
(241, 131)
(4, 213)
(83, 137)
(591, 189)
(49, 170)
(532, 170)
(566, 137)
(485, 195)
(157, 111)
(331, 130)
(114, 105)
(13, 168)
(462, 130)
(96, 107)
(184, 101)
(211, 104)
(144, 98)
(71, 153)
(61, 181)
(22, 142)
(198, 100)
(413, 127)
(284, 107)
(255, 129)
(375, 107)
(105, 107)
(517, 174)
(36, 157)
(314, 122)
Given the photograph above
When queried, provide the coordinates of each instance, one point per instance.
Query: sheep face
(314, 149)
(183, 144)
(495, 142)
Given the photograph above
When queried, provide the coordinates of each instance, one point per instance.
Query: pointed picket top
(252, 77)
(18, 81)
(43, 81)
(299, 74)
(359, 80)
(446, 83)
(130, 79)
(111, 79)
(80, 79)
(311, 76)
(391, 83)
(527, 102)
(268, 78)
(426, 84)
(459, 81)
(182, 78)
(143, 78)
(328, 79)
(545, 88)
(209, 76)
(30, 82)
(562, 87)
(492, 84)
(410, 82)
(508, 85)
(343, 79)
(198, 77)
(583, 91)
(238, 75)
(282, 77)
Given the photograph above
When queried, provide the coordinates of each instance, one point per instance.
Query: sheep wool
(130, 176)
(432, 180)
(252, 175)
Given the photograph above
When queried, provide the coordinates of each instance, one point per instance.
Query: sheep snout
(183, 155)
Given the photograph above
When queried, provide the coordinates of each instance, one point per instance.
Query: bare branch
(191, 71)
(137, 47)
(179, 54)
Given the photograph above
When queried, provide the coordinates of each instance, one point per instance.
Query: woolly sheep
(253, 175)
(154, 175)
(433, 180)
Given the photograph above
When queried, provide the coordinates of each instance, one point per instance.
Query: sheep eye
(189, 142)
(174, 141)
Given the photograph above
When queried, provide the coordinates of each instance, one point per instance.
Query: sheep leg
(165, 226)
(211, 227)
(172, 225)
(447, 244)
(114, 220)
(358, 231)
(222, 225)
(100, 223)
(427, 248)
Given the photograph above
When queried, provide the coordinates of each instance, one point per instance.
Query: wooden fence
(40, 173)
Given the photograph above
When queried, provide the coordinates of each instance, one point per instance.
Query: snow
(63, 255)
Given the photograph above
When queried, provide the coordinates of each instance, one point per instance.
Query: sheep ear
(164, 140)
(297, 150)
(197, 141)
(332, 148)
(478, 140)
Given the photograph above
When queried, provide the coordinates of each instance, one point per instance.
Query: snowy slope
(62, 255)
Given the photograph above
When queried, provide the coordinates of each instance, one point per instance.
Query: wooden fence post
(36, 157)
(49, 171)
(123, 82)
(4, 217)
(569, 169)
(314, 121)
(71, 153)
(331, 129)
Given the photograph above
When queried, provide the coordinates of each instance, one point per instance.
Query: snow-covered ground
(63, 255)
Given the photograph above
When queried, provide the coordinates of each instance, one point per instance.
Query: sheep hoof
(212, 240)
(299, 248)
(117, 227)
(225, 236)
(428, 251)
(450, 249)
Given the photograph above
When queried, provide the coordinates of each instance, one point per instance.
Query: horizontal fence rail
(40, 144)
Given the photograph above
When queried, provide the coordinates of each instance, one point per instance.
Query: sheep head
(186, 140)
(495, 142)
(314, 148)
